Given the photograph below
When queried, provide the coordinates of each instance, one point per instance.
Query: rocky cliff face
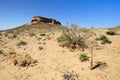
(38, 19)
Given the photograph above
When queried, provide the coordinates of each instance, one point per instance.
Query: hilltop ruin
(39, 19)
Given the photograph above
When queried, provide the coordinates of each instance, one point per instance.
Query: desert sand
(53, 61)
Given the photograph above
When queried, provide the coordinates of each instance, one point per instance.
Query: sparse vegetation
(67, 39)
(39, 38)
(2, 53)
(48, 37)
(61, 59)
(1, 35)
(111, 32)
(83, 57)
(105, 39)
(72, 38)
(12, 52)
(22, 60)
(62, 38)
(6, 34)
(42, 34)
(69, 76)
(22, 43)
(32, 34)
(40, 48)
(84, 30)
(12, 36)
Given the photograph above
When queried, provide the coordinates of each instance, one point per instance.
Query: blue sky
(85, 13)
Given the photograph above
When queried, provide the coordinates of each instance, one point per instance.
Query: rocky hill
(34, 52)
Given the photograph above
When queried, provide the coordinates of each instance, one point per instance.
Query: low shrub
(84, 30)
(12, 36)
(62, 38)
(75, 38)
(105, 39)
(40, 48)
(22, 60)
(83, 57)
(32, 34)
(65, 44)
(42, 34)
(71, 39)
(22, 43)
(111, 32)
(2, 53)
(69, 76)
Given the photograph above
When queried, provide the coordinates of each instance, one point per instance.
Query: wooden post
(91, 58)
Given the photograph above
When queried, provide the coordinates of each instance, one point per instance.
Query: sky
(85, 13)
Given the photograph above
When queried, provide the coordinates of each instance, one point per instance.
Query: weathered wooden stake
(91, 59)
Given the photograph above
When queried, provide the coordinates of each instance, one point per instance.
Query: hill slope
(54, 62)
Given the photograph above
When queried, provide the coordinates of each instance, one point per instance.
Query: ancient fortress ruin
(39, 19)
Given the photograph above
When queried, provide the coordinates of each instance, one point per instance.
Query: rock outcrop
(38, 19)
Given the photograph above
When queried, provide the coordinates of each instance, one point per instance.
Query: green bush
(42, 34)
(111, 33)
(74, 37)
(67, 40)
(105, 39)
(71, 39)
(2, 53)
(83, 57)
(22, 43)
(62, 38)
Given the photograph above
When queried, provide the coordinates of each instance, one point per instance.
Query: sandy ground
(54, 61)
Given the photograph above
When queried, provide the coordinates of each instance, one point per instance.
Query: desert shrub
(66, 39)
(2, 53)
(113, 29)
(12, 36)
(10, 31)
(6, 34)
(72, 39)
(1, 34)
(32, 34)
(22, 43)
(105, 39)
(83, 57)
(69, 76)
(84, 29)
(40, 48)
(48, 37)
(12, 52)
(62, 38)
(65, 44)
(111, 32)
(53, 33)
(22, 60)
(42, 34)
(39, 38)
